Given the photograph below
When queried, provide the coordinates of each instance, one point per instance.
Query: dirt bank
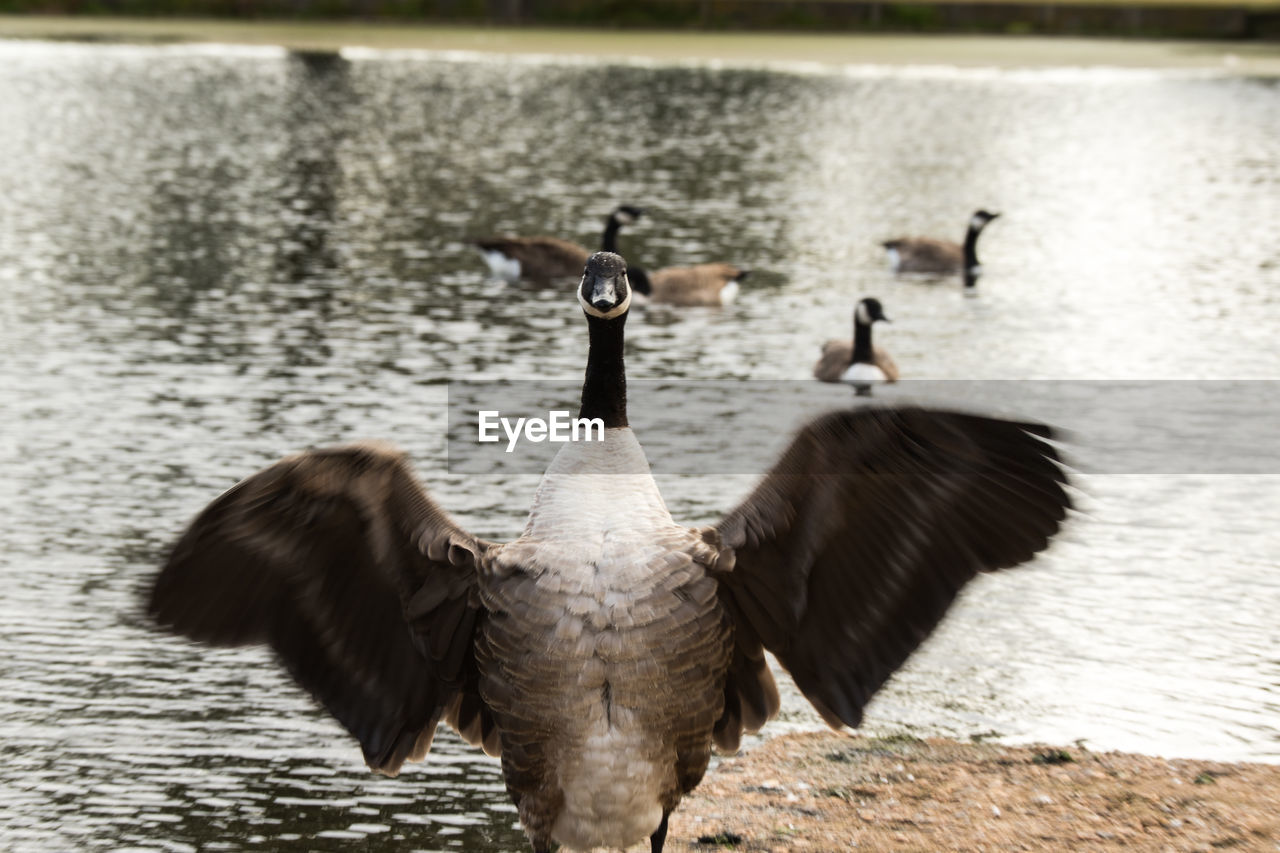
(832, 792)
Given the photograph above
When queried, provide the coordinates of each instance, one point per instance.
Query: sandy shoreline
(1253, 58)
(831, 791)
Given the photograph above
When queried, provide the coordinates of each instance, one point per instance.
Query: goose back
(533, 257)
(700, 284)
(607, 662)
(924, 255)
(544, 258)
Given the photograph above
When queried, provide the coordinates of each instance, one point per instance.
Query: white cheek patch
(864, 316)
(620, 308)
(895, 259)
(978, 222)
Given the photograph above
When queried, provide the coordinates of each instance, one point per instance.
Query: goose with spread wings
(603, 652)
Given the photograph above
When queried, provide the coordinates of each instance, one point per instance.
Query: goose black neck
(604, 391)
(609, 243)
(639, 280)
(971, 247)
(862, 343)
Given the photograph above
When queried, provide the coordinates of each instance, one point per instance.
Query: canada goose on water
(605, 650)
(927, 255)
(700, 284)
(858, 360)
(543, 258)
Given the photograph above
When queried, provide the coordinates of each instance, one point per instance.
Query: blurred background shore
(1210, 49)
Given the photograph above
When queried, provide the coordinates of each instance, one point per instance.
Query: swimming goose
(700, 284)
(542, 258)
(927, 255)
(857, 361)
(605, 650)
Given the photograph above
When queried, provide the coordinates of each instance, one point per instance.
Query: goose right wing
(853, 547)
(339, 560)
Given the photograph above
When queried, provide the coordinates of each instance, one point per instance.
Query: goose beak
(604, 293)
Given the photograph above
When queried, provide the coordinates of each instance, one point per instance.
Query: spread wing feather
(850, 551)
(365, 589)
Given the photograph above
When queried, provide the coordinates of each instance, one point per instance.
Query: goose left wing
(851, 549)
(341, 562)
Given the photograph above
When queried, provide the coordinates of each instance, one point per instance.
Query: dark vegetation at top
(1207, 19)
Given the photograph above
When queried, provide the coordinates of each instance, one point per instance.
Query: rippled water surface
(209, 258)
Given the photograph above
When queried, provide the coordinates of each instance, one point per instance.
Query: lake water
(211, 257)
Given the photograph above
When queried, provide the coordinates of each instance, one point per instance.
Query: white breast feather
(862, 372)
(501, 265)
(595, 519)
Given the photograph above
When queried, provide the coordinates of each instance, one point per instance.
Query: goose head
(604, 291)
(868, 311)
(626, 214)
(980, 219)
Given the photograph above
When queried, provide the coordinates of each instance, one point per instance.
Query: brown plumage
(926, 255)
(603, 651)
(700, 284)
(941, 257)
(853, 546)
(546, 258)
(837, 356)
(539, 257)
(328, 556)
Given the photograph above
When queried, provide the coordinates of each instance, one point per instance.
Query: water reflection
(208, 261)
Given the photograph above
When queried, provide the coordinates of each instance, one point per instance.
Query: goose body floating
(543, 258)
(700, 284)
(940, 257)
(857, 361)
(605, 650)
